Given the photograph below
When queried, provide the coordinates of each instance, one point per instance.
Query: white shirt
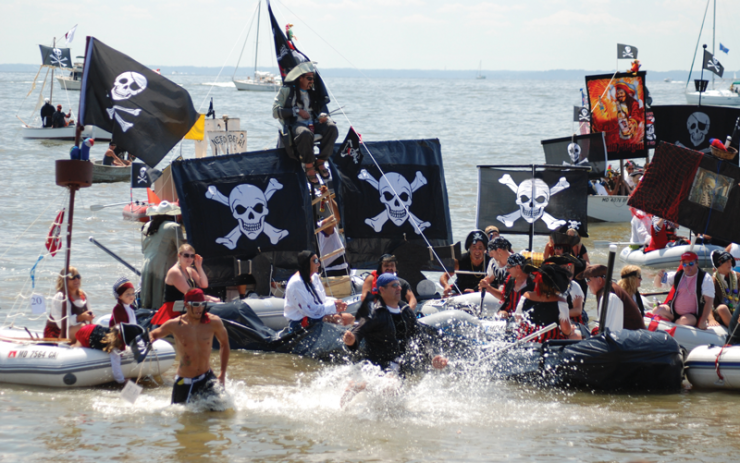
(329, 244)
(575, 290)
(735, 251)
(299, 302)
(56, 309)
(600, 190)
(640, 231)
(614, 313)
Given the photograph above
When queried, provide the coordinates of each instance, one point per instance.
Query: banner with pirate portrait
(512, 199)
(55, 57)
(618, 109)
(693, 126)
(578, 150)
(146, 113)
(241, 205)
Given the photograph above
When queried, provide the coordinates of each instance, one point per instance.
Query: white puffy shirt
(299, 302)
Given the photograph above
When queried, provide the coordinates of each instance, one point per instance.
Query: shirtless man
(194, 332)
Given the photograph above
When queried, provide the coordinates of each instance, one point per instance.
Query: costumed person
(388, 325)
(499, 251)
(663, 234)
(78, 312)
(123, 312)
(112, 340)
(621, 312)
(194, 332)
(492, 232)
(47, 112)
(544, 305)
(330, 241)
(630, 281)
(690, 299)
(641, 223)
(726, 295)
(475, 261)
(387, 264)
(185, 275)
(517, 282)
(574, 295)
(306, 303)
(303, 113)
(162, 236)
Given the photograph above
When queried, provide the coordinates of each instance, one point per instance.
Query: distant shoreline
(555, 74)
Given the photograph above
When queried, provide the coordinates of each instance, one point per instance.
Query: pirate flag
(143, 176)
(582, 150)
(349, 152)
(712, 64)
(242, 205)
(693, 126)
(146, 113)
(512, 200)
(55, 57)
(395, 193)
(626, 51)
(581, 114)
(692, 189)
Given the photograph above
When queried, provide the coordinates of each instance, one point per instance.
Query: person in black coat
(47, 111)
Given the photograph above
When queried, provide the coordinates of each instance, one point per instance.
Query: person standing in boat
(544, 305)
(162, 236)
(78, 313)
(726, 295)
(47, 113)
(475, 261)
(302, 115)
(631, 279)
(306, 303)
(621, 312)
(387, 264)
(574, 295)
(124, 311)
(194, 332)
(692, 293)
(517, 283)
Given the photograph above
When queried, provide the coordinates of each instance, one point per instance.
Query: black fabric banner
(581, 150)
(693, 126)
(349, 152)
(55, 57)
(146, 113)
(582, 114)
(241, 205)
(380, 211)
(626, 51)
(712, 64)
(511, 200)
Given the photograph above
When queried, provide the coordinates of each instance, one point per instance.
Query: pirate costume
(306, 302)
(122, 313)
(536, 315)
(465, 263)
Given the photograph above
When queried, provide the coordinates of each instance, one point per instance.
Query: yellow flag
(198, 130)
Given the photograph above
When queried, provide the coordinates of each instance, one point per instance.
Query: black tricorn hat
(554, 275)
(564, 239)
(578, 264)
(476, 235)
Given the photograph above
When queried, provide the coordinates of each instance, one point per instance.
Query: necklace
(731, 296)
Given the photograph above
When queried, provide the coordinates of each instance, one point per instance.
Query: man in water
(194, 332)
(47, 112)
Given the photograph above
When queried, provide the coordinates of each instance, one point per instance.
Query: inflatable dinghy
(714, 367)
(469, 302)
(668, 257)
(689, 337)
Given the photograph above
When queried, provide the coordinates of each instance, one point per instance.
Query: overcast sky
(383, 34)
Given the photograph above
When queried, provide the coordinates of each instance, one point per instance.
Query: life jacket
(659, 239)
(672, 294)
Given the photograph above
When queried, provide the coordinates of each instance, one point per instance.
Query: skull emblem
(698, 127)
(395, 205)
(532, 197)
(142, 176)
(128, 84)
(574, 151)
(249, 206)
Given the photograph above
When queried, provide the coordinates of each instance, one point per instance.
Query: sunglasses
(588, 280)
(395, 285)
(198, 304)
(316, 260)
(75, 277)
(689, 264)
(188, 256)
(310, 79)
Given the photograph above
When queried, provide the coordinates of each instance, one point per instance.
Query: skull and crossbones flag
(581, 150)
(693, 126)
(626, 51)
(55, 57)
(143, 176)
(512, 200)
(712, 64)
(147, 114)
(241, 205)
(695, 190)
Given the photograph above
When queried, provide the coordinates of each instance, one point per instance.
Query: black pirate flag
(146, 113)
(55, 57)
(712, 64)
(349, 153)
(626, 51)
(693, 126)
(513, 200)
(581, 150)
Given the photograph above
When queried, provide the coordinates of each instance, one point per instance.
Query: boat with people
(609, 208)
(262, 81)
(109, 173)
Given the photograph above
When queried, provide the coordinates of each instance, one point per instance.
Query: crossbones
(142, 176)
(57, 58)
(248, 204)
(124, 125)
(396, 194)
(713, 63)
(532, 196)
(627, 53)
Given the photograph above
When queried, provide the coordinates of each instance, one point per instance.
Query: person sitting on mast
(302, 114)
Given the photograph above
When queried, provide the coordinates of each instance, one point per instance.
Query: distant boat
(262, 81)
(480, 74)
(73, 81)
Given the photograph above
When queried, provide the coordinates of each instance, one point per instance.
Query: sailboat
(262, 81)
(480, 73)
(716, 97)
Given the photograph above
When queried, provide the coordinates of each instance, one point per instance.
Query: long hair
(112, 340)
(304, 270)
(542, 286)
(155, 223)
(629, 281)
(61, 277)
(185, 247)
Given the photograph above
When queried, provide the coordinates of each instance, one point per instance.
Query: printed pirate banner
(695, 190)
(139, 177)
(380, 210)
(55, 57)
(146, 113)
(512, 200)
(241, 205)
(620, 113)
(693, 126)
(582, 151)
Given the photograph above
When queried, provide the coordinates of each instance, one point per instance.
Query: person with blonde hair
(631, 279)
(78, 313)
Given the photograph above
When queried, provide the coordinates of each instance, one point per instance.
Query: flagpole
(531, 225)
(51, 92)
(701, 79)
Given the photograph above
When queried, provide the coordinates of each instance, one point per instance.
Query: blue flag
(723, 48)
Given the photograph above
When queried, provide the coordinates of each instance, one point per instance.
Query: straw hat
(164, 208)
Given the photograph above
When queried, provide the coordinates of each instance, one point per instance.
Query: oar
(618, 243)
(97, 207)
(528, 338)
(115, 256)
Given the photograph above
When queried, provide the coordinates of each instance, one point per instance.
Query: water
(283, 408)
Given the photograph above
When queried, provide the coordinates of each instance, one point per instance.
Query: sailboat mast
(257, 42)
(51, 92)
(714, 30)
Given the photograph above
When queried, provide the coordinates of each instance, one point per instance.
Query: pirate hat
(578, 265)
(475, 236)
(555, 276)
(303, 68)
(163, 208)
(720, 257)
(563, 239)
(129, 331)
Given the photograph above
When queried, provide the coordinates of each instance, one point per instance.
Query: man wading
(194, 331)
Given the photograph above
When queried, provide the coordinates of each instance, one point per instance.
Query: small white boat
(689, 337)
(64, 133)
(714, 367)
(262, 82)
(608, 209)
(668, 257)
(52, 364)
(110, 174)
(73, 80)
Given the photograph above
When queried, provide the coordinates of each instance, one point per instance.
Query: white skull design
(142, 176)
(128, 84)
(698, 127)
(395, 205)
(249, 206)
(532, 206)
(574, 151)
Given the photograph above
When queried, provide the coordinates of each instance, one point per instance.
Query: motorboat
(608, 209)
(73, 80)
(689, 337)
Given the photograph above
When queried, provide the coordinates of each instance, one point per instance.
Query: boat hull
(491, 305)
(668, 257)
(608, 209)
(69, 84)
(689, 337)
(110, 174)
(714, 97)
(64, 133)
(253, 86)
(706, 364)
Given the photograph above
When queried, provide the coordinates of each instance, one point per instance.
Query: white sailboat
(262, 81)
(480, 73)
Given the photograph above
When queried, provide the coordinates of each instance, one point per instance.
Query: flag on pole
(70, 36)
(55, 57)
(712, 64)
(626, 51)
(723, 48)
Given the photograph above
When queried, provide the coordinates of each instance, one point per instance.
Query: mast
(714, 30)
(257, 42)
(51, 92)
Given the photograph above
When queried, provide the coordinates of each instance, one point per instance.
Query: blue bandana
(386, 278)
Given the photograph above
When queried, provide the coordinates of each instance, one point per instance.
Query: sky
(520, 35)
